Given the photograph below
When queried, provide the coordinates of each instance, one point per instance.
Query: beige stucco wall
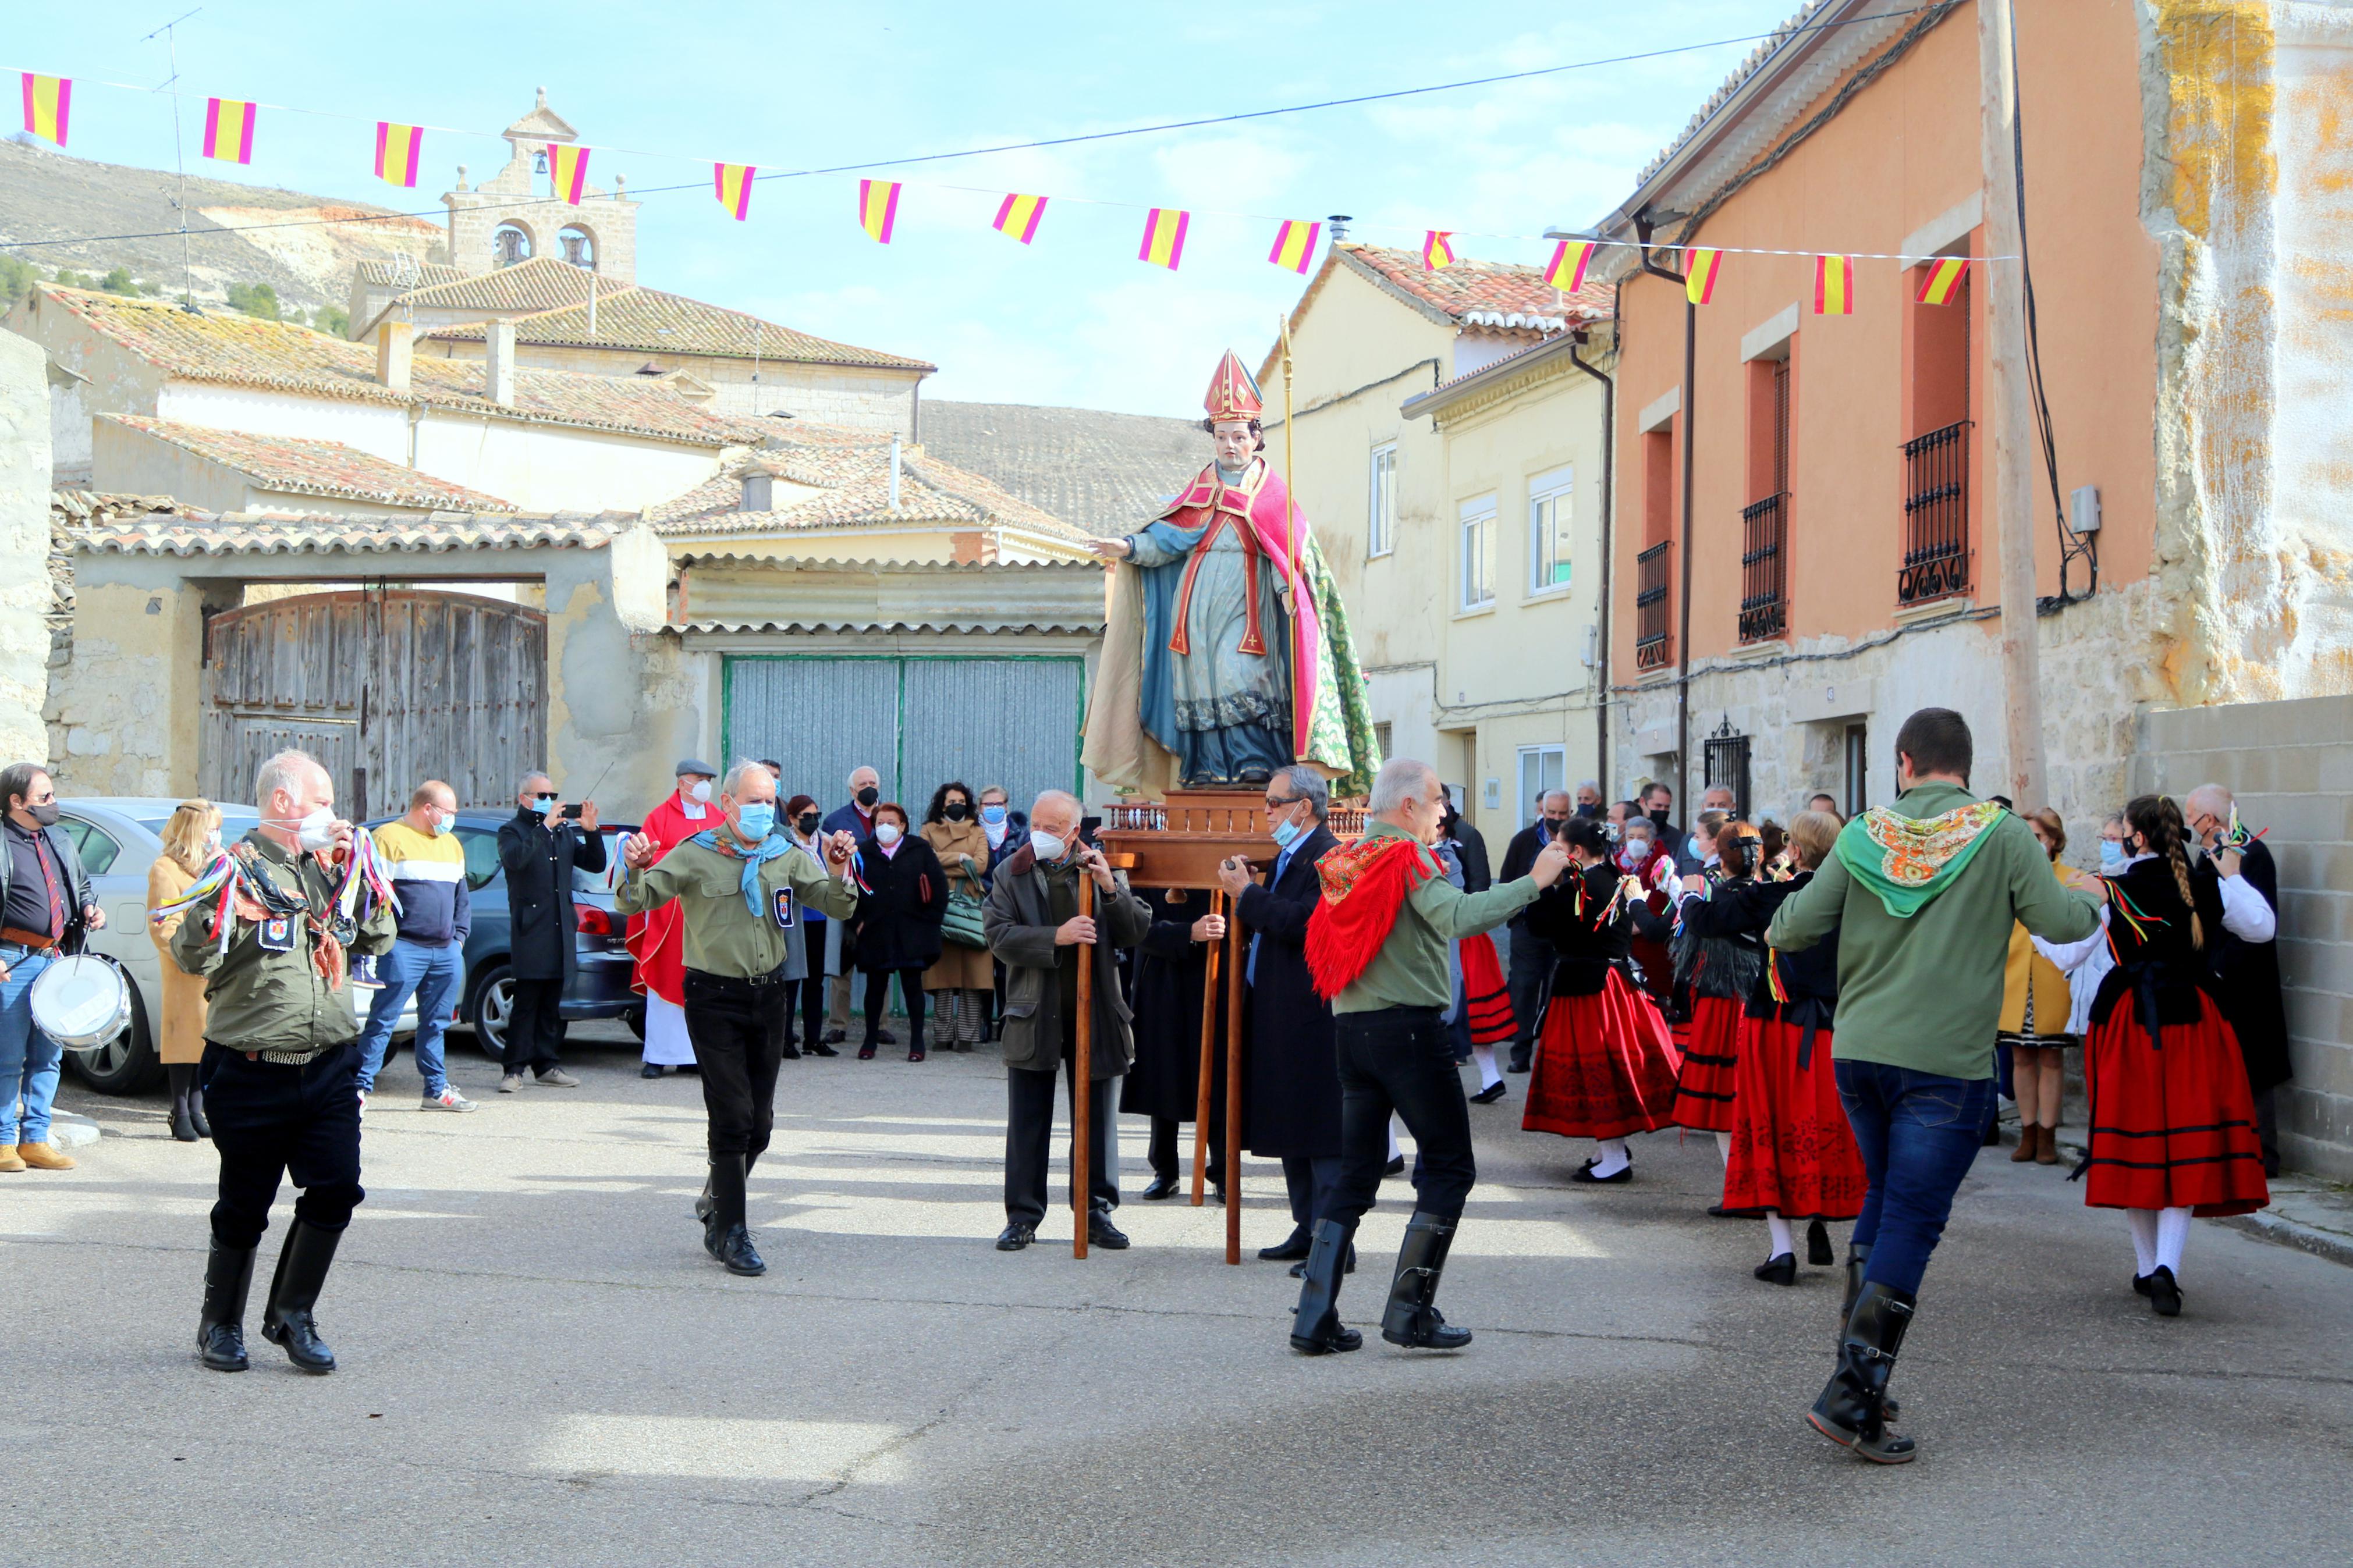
(124, 712)
(24, 546)
(832, 395)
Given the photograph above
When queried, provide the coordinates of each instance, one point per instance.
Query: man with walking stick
(1034, 926)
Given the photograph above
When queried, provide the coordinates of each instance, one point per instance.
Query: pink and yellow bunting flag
(398, 150)
(1294, 245)
(1163, 237)
(1834, 285)
(878, 209)
(1437, 248)
(48, 103)
(731, 183)
(228, 130)
(567, 166)
(1941, 280)
(1701, 267)
(1018, 216)
(1570, 258)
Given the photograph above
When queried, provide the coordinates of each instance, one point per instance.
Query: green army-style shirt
(723, 936)
(1410, 969)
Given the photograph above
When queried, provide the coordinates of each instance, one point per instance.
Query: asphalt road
(539, 1365)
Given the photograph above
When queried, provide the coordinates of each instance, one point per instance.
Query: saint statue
(1225, 656)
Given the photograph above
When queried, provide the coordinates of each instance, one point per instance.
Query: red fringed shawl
(1364, 883)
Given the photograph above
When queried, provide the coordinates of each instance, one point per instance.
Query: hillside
(47, 195)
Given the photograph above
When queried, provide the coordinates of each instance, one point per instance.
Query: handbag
(961, 924)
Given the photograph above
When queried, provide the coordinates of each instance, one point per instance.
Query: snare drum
(82, 1002)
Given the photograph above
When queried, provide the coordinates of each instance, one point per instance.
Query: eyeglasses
(1276, 802)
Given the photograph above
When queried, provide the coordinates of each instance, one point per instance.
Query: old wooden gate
(385, 686)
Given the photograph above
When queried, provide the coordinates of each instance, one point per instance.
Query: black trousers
(1532, 965)
(1311, 1182)
(535, 1026)
(878, 1003)
(272, 1122)
(1169, 1146)
(1029, 1139)
(1400, 1060)
(732, 1025)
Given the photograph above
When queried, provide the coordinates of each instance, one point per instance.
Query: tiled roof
(1102, 473)
(1480, 293)
(654, 321)
(1732, 84)
(542, 283)
(315, 468)
(400, 272)
(851, 470)
(192, 532)
(241, 351)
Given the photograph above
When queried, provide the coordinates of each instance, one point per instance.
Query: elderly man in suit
(1291, 1108)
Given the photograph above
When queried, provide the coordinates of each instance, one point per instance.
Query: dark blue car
(600, 986)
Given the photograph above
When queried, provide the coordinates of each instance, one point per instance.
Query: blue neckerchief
(768, 849)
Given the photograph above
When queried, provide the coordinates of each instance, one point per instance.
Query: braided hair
(2157, 819)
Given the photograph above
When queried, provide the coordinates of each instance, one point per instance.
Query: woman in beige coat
(961, 982)
(191, 839)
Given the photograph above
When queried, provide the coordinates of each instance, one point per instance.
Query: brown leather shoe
(2028, 1140)
(8, 1160)
(44, 1157)
(2047, 1151)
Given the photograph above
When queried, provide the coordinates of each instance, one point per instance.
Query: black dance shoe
(1161, 1187)
(1289, 1249)
(1585, 1173)
(2164, 1292)
(649, 1070)
(1489, 1095)
(1781, 1268)
(819, 1049)
(1819, 1251)
(1394, 1167)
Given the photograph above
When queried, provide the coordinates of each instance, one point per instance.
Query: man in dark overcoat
(541, 847)
(1291, 1105)
(1171, 971)
(2247, 974)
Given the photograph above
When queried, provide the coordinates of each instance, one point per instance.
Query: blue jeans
(432, 973)
(28, 1058)
(1919, 1132)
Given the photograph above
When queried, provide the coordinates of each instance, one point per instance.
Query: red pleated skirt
(1703, 1096)
(1605, 1066)
(1791, 1147)
(2173, 1124)
(1486, 999)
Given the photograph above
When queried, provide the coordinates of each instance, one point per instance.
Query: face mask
(886, 834)
(869, 795)
(1658, 815)
(441, 822)
(316, 831)
(1286, 834)
(212, 842)
(992, 815)
(807, 821)
(755, 820)
(47, 816)
(1045, 846)
(1691, 848)
(1589, 809)
(701, 791)
(544, 804)
(2112, 854)
(954, 811)
(1631, 853)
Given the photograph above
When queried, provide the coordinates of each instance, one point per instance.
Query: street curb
(2289, 1233)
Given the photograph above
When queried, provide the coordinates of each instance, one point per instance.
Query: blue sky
(1074, 318)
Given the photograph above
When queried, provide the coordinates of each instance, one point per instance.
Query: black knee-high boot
(220, 1329)
(1412, 1317)
(1315, 1326)
(1858, 1259)
(725, 1234)
(286, 1321)
(1851, 1410)
(183, 1077)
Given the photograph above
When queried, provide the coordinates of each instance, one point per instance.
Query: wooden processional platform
(1179, 843)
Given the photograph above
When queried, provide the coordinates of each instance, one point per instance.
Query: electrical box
(1492, 798)
(2084, 509)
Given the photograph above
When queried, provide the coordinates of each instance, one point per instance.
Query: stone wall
(24, 547)
(2290, 764)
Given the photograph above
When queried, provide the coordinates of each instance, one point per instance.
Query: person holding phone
(540, 847)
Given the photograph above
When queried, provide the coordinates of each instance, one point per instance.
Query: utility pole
(170, 31)
(2013, 474)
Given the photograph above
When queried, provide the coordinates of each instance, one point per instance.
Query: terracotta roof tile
(315, 468)
(241, 351)
(542, 283)
(402, 273)
(652, 321)
(1105, 473)
(1481, 293)
(192, 532)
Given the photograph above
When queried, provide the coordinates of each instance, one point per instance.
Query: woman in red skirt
(1793, 1155)
(1721, 971)
(1605, 1067)
(2172, 1119)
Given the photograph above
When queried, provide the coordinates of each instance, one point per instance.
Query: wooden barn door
(386, 687)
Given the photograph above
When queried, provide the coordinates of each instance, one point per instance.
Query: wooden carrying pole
(1233, 1092)
(1202, 1097)
(1082, 1083)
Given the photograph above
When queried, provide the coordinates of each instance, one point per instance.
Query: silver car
(117, 840)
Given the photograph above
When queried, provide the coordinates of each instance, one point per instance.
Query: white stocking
(1782, 1240)
(2144, 1234)
(1610, 1156)
(1490, 1074)
(2172, 1233)
(1724, 1146)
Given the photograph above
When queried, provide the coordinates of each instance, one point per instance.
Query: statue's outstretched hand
(1109, 549)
